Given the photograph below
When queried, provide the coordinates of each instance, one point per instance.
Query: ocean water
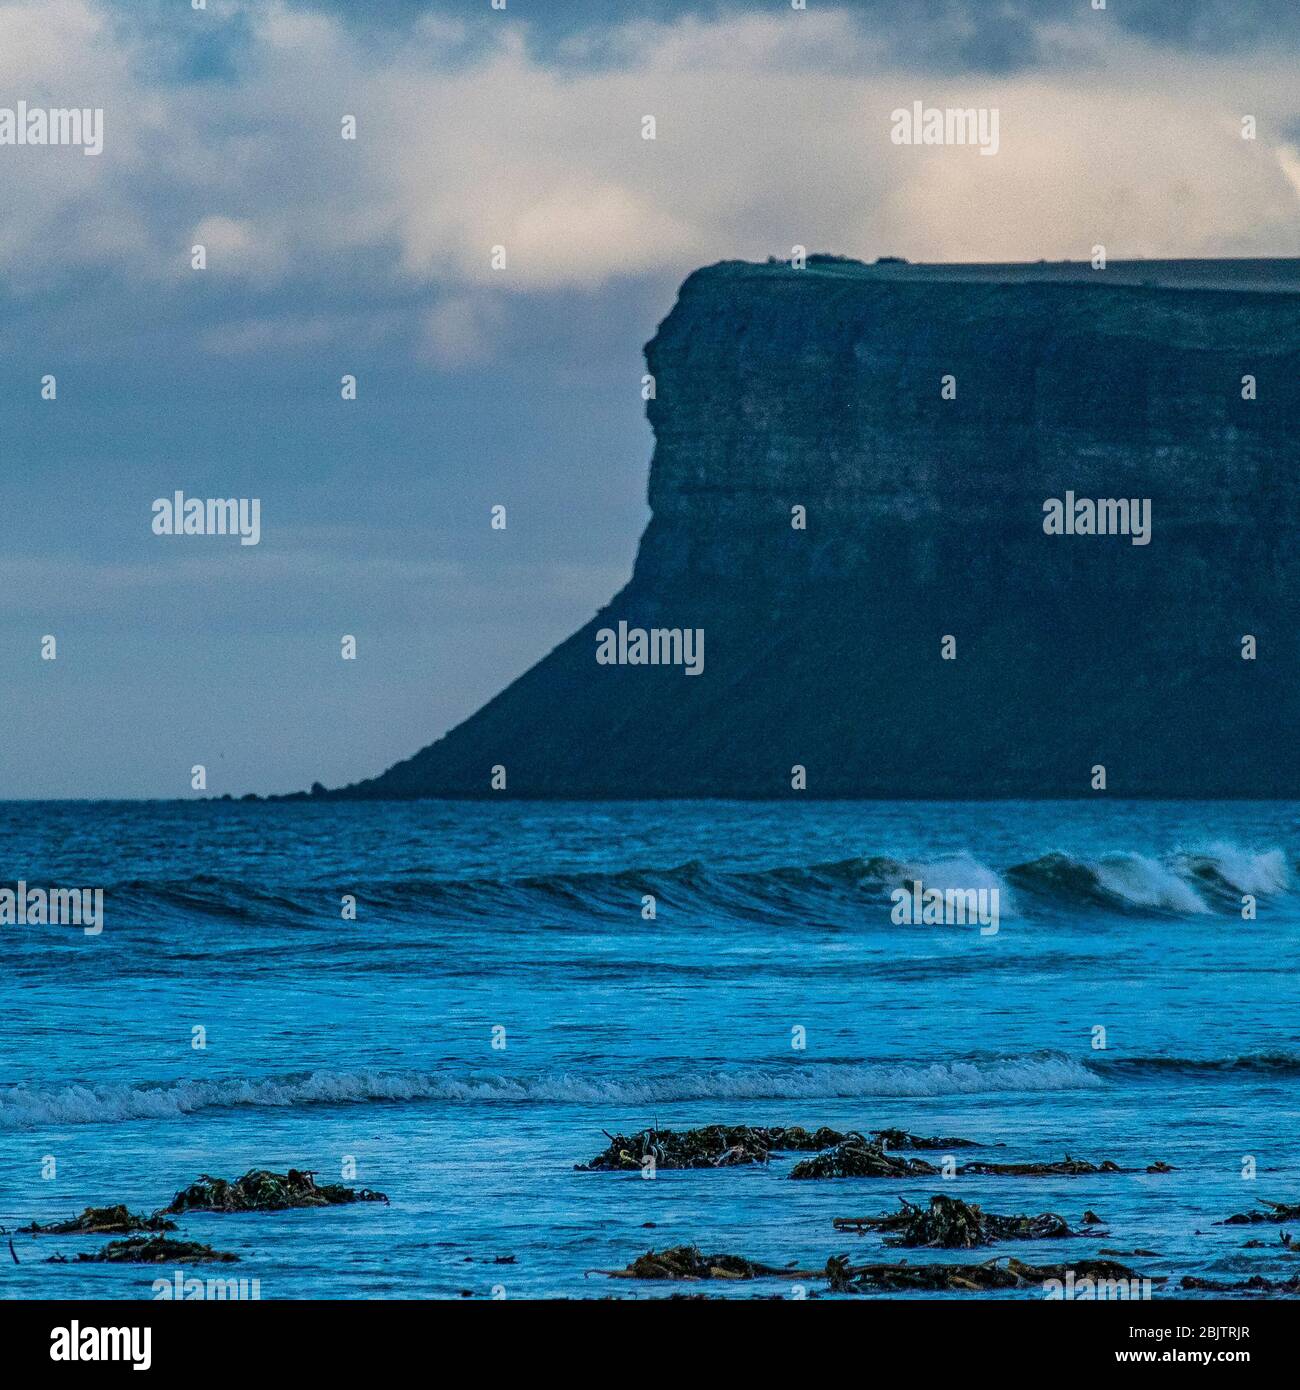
(522, 924)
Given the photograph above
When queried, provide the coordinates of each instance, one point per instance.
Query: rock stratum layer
(820, 388)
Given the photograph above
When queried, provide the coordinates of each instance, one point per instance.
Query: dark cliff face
(821, 388)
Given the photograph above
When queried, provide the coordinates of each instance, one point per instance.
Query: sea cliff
(848, 494)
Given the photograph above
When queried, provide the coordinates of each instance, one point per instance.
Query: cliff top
(1277, 275)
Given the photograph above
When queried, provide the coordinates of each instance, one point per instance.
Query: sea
(455, 1003)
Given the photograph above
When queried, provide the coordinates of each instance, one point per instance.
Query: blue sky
(478, 386)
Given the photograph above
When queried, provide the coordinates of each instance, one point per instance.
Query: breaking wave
(29, 1107)
(1184, 883)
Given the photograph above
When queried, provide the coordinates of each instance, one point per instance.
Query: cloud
(937, 35)
(772, 130)
(1288, 158)
(239, 245)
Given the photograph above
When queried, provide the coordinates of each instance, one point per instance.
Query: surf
(84, 1103)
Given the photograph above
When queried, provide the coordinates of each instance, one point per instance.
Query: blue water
(373, 1038)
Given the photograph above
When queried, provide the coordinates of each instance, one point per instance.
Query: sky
(519, 386)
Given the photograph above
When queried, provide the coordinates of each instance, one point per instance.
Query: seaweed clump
(101, 1221)
(1257, 1283)
(1067, 1168)
(1277, 1211)
(951, 1224)
(733, 1146)
(151, 1250)
(857, 1157)
(901, 1139)
(687, 1262)
(799, 1139)
(261, 1190)
(713, 1146)
(992, 1275)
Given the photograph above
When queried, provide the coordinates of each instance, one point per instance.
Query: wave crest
(842, 891)
(1187, 883)
(30, 1107)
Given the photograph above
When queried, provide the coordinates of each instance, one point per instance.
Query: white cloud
(1288, 158)
(772, 130)
(237, 246)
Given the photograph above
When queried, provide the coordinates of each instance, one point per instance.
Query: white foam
(1144, 882)
(32, 1107)
(957, 871)
(1262, 871)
